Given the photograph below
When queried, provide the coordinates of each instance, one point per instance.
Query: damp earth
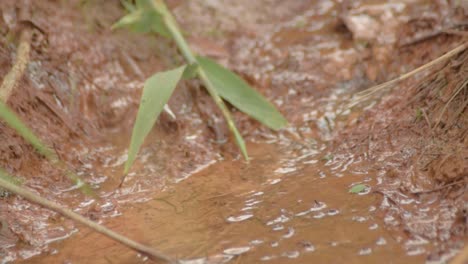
(190, 194)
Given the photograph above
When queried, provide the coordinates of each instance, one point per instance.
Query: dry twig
(30, 196)
(368, 93)
(10, 81)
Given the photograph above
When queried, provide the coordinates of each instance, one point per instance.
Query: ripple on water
(359, 219)
(415, 251)
(275, 181)
(236, 250)
(333, 212)
(267, 258)
(381, 241)
(319, 215)
(247, 208)
(365, 251)
(318, 206)
(279, 219)
(303, 213)
(256, 242)
(278, 227)
(291, 254)
(239, 218)
(290, 233)
(366, 190)
(252, 203)
(285, 170)
(193, 261)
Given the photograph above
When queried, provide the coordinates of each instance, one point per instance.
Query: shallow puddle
(288, 204)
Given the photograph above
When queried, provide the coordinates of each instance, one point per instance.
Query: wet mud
(190, 194)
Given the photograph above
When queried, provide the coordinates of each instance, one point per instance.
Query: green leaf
(129, 20)
(240, 94)
(143, 19)
(128, 5)
(358, 188)
(156, 92)
(14, 122)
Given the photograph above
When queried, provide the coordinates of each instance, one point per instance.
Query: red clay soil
(417, 138)
(82, 87)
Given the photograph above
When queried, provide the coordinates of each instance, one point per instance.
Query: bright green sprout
(221, 83)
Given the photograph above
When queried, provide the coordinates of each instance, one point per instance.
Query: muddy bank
(81, 93)
(417, 139)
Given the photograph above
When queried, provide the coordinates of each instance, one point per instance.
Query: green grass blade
(143, 18)
(239, 93)
(127, 5)
(156, 92)
(14, 122)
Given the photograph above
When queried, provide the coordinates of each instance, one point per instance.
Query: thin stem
(227, 115)
(182, 44)
(366, 94)
(30, 196)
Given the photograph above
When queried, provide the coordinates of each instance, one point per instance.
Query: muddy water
(288, 204)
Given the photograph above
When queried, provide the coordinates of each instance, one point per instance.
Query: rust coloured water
(287, 204)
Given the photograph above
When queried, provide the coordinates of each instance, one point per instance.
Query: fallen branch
(30, 196)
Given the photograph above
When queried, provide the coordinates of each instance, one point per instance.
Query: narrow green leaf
(358, 188)
(129, 20)
(143, 19)
(156, 92)
(128, 5)
(14, 122)
(239, 93)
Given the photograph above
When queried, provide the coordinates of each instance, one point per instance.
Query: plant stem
(30, 196)
(183, 46)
